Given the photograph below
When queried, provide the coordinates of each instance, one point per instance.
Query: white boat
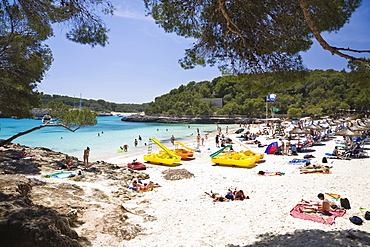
(46, 118)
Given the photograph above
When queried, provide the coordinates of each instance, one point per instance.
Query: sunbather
(216, 197)
(317, 170)
(323, 207)
(151, 186)
(23, 155)
(239, 195)
(336, 151)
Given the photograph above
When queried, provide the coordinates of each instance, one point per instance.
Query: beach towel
(317, 172)
(262, 173)
(298, 161)
(62, 175)
(317, 217)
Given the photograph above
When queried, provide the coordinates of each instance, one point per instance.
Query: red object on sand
(137, 166)
(327, 220)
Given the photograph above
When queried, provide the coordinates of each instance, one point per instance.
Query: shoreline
(188, 119)
(140, 150)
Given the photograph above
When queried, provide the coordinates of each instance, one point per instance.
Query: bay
(105, 138)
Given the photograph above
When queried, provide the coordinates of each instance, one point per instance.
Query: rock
(23, 223)
(177, 174)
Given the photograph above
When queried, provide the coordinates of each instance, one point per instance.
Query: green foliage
(47, 101)
(57, 108)
(24, 58)
(248, 36)
(92, 35)
(78, 118)
(294, 112)
(313, 93)
(71, 120)
(23, 62)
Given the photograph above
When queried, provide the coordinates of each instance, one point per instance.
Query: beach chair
(344, 156)
(358, 153)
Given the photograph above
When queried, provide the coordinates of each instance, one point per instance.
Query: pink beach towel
(317, 217)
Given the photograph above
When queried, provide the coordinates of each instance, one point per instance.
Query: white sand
(186, 216)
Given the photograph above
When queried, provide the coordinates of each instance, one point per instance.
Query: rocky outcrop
(38, 210)
(158, 118)
(23, 223)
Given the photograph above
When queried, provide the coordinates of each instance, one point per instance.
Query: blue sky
(141, 60)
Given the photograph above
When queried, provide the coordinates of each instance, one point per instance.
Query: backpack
(356, 220)
(324, 160)
(344, 202)
(367, 215)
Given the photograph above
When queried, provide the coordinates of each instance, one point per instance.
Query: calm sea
(104, 139)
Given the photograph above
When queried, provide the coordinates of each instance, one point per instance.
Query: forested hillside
(315, 92)
(94, 105)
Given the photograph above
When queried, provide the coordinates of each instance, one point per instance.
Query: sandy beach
(186, 216)
(180, 213)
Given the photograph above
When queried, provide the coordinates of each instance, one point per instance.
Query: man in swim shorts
(323, 208)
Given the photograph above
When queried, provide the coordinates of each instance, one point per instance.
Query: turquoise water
(104, 139)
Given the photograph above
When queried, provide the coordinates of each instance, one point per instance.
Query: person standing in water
(173, 140)
(135, 142)
(86, 156)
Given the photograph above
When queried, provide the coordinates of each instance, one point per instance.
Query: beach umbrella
(347, 132)
(358, 128)
(331, 123)
(299, 131)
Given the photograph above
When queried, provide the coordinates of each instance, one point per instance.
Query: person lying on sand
(325, 170)
(239, 195)
(216, 197)
(138, 186)
(135, 186)
(23, 155)
(323, 207)
(151, 186)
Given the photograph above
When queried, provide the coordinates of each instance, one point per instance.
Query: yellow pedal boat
(162, 159)
(250, 153)
(235, 159)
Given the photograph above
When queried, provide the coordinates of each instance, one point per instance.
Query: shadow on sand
(308, 238)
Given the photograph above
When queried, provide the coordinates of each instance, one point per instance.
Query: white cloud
(126, 12)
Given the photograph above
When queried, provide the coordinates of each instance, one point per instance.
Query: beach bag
(356, 220)
(367, 215)
(324, 160)
(344, 202)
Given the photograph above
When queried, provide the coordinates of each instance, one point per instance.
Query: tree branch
(351, 50)
(334, 50)
(221, 4)
(9, 140)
